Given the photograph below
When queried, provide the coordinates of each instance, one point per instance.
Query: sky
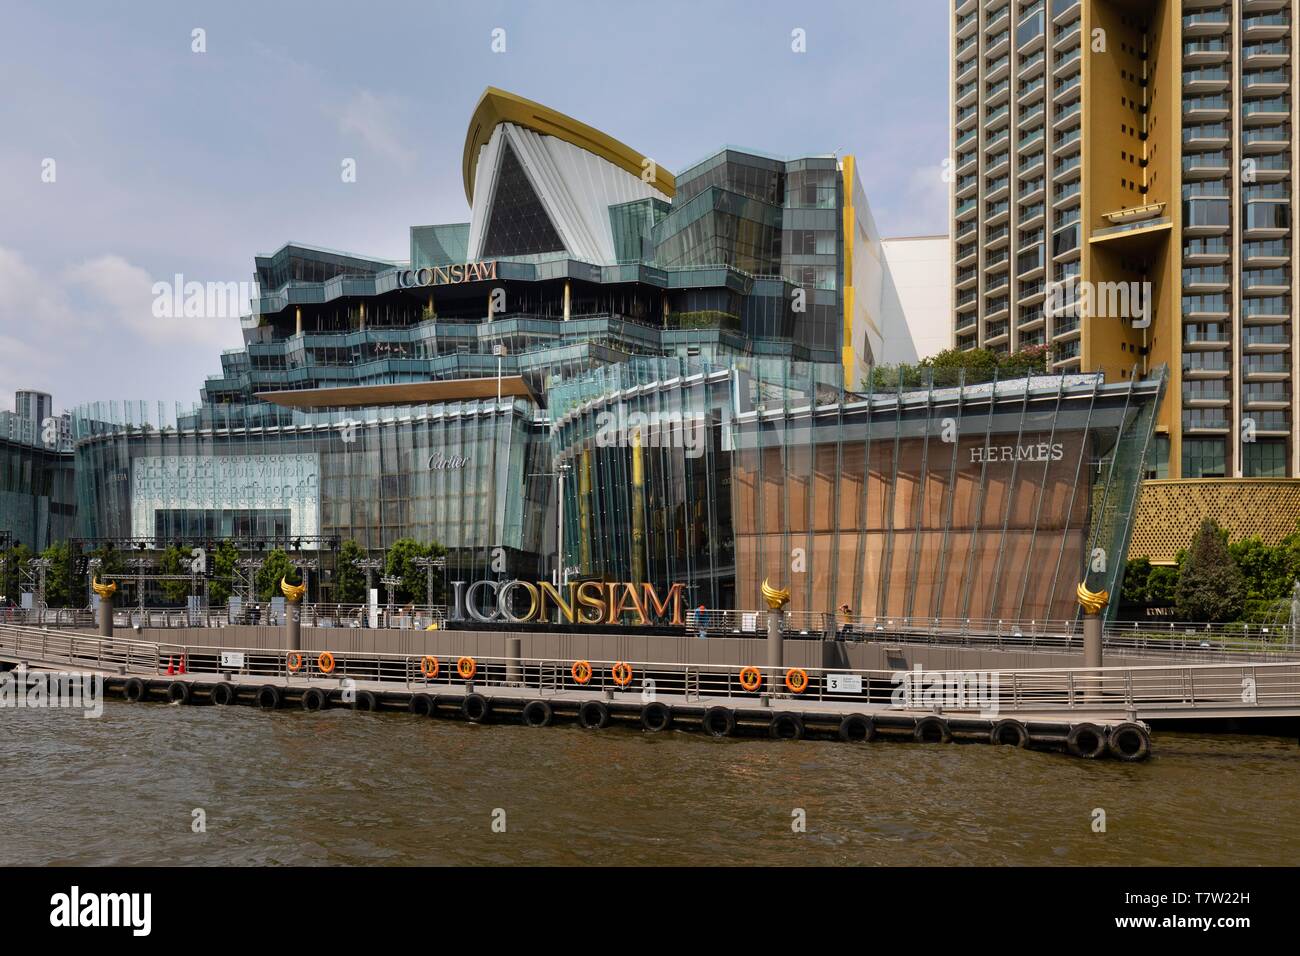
(128, 156)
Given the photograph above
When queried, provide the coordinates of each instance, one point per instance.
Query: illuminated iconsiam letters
(588, 602)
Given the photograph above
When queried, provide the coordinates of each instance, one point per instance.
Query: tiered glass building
(613, 372)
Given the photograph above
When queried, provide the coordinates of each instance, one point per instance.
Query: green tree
(1028, 361)
(978, 364)
(222, 584)
(952, 366)
(349, 580)
(1136, 574)
(1266, 571)
(276, 566)
(11, 577)
(1210, 587)
(111, 560)
(175, 560)
(401, 563)
(59, 575)
(1162, 586)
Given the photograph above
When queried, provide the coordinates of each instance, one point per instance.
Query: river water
(354, 788)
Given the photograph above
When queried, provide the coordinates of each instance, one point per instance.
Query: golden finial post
(105, 594)
(293, 595)
(1093, 604)
(776, 599)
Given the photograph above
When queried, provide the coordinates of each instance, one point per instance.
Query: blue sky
(169, 161)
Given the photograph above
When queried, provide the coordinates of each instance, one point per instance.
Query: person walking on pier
(701, 619)
(847, 614)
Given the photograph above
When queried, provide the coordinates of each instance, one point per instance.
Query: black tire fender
(857, 728)
(656, 716)
(932, 729)
(475, 708)
(1086, 740)
(786, 726)
(269, 697)
(593, 715)
(1129, 742)
(538, 713)
(719, 722)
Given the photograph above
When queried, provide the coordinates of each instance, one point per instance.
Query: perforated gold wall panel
(1169, 512)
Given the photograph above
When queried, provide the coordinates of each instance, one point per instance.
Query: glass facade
(518, 223)
(975, 502)
(677, 411)
(456, 473)
(37, 494)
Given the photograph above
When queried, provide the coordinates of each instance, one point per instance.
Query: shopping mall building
(662, 378)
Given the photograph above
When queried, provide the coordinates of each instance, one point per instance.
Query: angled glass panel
(518, 224)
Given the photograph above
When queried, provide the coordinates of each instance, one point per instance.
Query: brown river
(339, 787)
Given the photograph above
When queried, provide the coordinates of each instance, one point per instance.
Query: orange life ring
(293, 662)
(622, 673)
(581, 671)
(325, 662)
(751, 678)
(796, 678)
(429, 667)
(466, 667)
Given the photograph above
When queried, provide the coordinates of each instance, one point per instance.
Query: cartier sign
(453, 274)
(441, 462)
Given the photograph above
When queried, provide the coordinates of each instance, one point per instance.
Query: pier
(1087, 712)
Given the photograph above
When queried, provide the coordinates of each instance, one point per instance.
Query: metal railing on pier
(1242, 689)
(1199, 642)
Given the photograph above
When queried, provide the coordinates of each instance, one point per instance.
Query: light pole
(390, 583)
(561, 469)
(500, 351)
(306, 566)
(139, 564)
(40, 566)
(429, 564)
(251, 566)
(370, 566)
(92, 572)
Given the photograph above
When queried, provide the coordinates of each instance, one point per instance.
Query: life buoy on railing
(429, 667)
(293, 662)
(796, 679)
(467, 667)
(325, 662)
(751, 678)
(581, 671)
(622, 673)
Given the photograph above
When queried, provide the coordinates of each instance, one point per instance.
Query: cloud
(375, 120)
(51, 324)
(27, 299)
(120, 298)
(926, 201)
(34, 314)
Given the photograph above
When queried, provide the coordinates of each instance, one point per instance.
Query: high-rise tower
(1122, 193)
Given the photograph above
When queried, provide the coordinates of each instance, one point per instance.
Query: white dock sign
(844, 683)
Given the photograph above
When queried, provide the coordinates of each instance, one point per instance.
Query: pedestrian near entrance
(701, 619)
(847, 614)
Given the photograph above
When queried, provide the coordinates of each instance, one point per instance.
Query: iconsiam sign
(588, 602)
